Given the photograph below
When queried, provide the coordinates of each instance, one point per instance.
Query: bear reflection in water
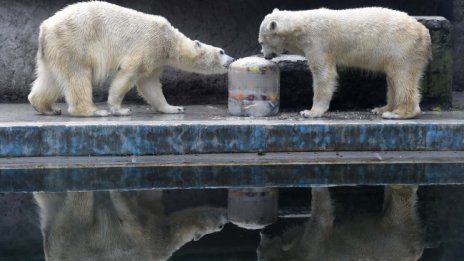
(119, 225)
(395, 235)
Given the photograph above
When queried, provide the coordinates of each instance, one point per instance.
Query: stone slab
(54, 174)
(207, 148)
(209, 129)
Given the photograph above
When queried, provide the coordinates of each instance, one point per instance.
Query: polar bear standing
(394, 235)
(87, 42)
(375, 39)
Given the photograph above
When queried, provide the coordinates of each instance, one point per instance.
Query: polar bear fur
(85, 43)
(117, 226)
(395, 235)
(374, 39)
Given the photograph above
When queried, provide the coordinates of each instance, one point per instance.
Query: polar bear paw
(50, 111)
(390, 115)
(399, 186)
(377, 110)
(53, 111)
(311, 113)
(171, 109)
(101, 113)
(121, 112)
(381, 110)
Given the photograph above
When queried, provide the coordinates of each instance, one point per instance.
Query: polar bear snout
(227, 60)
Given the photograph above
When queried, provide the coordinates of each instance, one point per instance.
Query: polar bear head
(210, 59)
(272, 34)
(198, 57)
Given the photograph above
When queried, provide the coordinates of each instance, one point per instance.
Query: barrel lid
(253, 64)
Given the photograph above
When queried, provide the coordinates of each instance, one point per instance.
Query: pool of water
(335, 223)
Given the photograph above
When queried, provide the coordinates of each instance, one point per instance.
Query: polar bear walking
(375, 39)
(87, 42)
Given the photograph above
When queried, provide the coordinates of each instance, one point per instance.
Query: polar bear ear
(272, 26)
(275, 10)
(197, 44)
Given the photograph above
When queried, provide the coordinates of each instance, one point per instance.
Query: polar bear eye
(221, 51)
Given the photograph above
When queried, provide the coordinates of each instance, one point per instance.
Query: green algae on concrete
(437, 81)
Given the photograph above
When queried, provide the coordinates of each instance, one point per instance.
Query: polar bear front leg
(324, 84)
(151, 90)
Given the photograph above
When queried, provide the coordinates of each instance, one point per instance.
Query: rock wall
(458, 44)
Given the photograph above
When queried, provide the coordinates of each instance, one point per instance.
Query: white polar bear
(375, 39)
(395, 235)
(87, 42)
(119, 226)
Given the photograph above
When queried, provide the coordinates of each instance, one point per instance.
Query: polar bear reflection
(119, 225)
(396, 235)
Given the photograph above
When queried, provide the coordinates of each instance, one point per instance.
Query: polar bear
(85, 43)
(373, 38)
(395, 235)
(119, 225)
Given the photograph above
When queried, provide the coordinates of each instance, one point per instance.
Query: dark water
(339, 223)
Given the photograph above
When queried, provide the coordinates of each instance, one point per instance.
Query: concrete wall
(458, 62)
(232, 25)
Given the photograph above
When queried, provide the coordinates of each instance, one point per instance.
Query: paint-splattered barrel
(254, 87)
(252, 208)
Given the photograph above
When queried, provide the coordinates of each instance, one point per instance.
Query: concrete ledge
(207, 148)
(305, 169)
(209, 129)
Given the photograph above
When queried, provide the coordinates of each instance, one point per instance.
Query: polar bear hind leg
(405, 94)
(45, 91)
(77, 87)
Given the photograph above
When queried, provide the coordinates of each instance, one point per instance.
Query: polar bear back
(369, 38)
(106, 34)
